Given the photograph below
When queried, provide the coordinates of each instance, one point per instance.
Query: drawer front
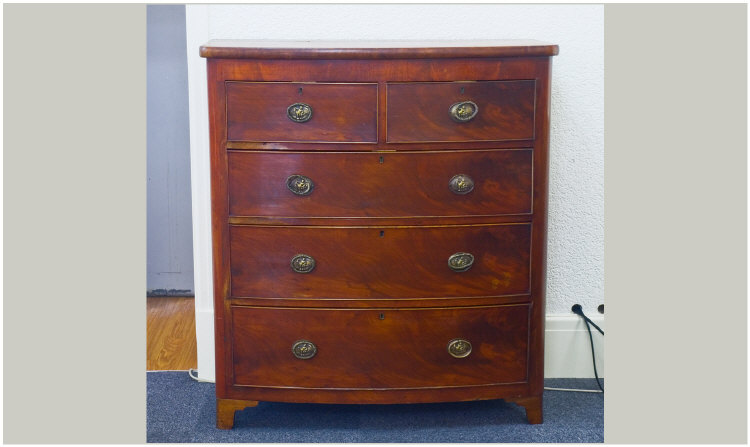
(359, 184)
(260, 111)
(379, 348)
(421, 111)
(379, 262)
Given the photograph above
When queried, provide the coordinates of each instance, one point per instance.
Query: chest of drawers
(379, 221)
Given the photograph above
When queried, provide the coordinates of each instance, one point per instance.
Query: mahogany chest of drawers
(379, 221)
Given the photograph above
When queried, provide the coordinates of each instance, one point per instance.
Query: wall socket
(577, 308)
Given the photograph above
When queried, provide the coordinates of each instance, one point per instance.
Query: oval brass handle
(463, 111)
(460, 262)
(461, 184)
(300, 185)
(303, 349)
(302, 263)
(299, 112)
(459, 348)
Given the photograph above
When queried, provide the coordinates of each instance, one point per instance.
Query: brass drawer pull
(303, 349)
(461, 184)
(463, 111)
(460, 262)
(300, 185)
(299, 112)
(459, 348)
(302, 263)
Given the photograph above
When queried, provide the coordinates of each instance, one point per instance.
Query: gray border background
(75, 209)
(74, 320)
(676, 223)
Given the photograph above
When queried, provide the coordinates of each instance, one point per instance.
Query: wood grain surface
(170, 330)
(533, 407)
(539, 229)
(380, 232)
(226, 409)
(380, 262)
(381, 184)
(378, 49)
(419, 111)
(257, 111)
(380, 348)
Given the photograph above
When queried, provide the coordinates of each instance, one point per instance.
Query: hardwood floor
(170, 329)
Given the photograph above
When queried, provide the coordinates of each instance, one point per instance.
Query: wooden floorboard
(170, 329)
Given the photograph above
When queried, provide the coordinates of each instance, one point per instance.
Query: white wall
(576, 208)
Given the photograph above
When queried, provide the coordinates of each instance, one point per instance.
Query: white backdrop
(576, 207)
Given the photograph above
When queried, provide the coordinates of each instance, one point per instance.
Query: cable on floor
(549, 388)
(196, 378)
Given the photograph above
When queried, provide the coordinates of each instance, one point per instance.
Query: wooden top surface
(373, 49)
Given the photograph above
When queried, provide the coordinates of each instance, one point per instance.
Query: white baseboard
(567, 348)
(204, 329)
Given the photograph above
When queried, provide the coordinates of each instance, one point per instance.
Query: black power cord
(578, 310)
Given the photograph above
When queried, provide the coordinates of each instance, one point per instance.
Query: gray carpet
(183, 410)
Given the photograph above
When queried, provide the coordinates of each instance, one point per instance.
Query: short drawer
(304, 112)
(380, 262)
(362, 184)
(379, 348)
(460, 111)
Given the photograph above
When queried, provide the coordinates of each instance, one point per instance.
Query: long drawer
(379, 348)
(364, 184)
(379, 262)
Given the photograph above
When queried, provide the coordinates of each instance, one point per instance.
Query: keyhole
(462, 90)
(381, 159)
(300, 91)
(382, 316)
(382, 233)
